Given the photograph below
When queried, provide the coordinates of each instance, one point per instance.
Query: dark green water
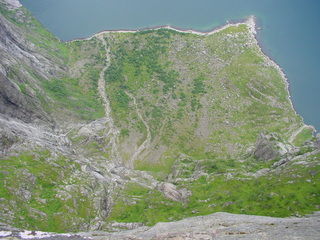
(290, 30)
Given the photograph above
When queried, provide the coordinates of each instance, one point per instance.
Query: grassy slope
(41, 176)
(293, 191)
(76, 92)
(207, 97)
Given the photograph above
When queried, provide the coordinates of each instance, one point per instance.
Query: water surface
(290, 30)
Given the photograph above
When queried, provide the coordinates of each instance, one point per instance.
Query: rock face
(218, 226)
(268, 147)
(12, 102)
(23, 66)
(171, 192)
(317, 142)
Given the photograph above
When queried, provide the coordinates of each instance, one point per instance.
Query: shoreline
(251, 24)
(283, 74)
(280, 70)
(249, 21)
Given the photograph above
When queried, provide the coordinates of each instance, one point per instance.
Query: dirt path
(147, 141)
(296, 133)
(113, 132)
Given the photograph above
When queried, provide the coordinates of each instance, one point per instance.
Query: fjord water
(290, 31)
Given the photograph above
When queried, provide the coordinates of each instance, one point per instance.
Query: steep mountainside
(127, 129)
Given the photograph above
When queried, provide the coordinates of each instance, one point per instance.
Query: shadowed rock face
(215, 226)
(23, 67)
(267, 148)
(12, 102)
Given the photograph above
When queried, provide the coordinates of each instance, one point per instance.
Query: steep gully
(139, 177)
(147, 141)
(114, 132)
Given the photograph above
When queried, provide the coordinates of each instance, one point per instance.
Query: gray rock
(26, 183)
(7, 139)
(317, 141)
(119, 226)
(16, 50)
(218, 226)
(12, 102)
(171, 192)
(230, 226)
(280, 162)
(261, 172)
(268, 147)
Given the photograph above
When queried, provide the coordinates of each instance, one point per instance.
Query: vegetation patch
(305, 135)
(277, 195)
(69, 94)
(30, 185)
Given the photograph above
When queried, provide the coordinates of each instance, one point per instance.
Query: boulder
(171, 192)
(265, 148)
(269, 147)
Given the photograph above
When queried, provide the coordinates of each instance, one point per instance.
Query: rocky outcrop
(171, 192)
(265, 149)
(23, 66)
(219, 226)
(269, 147)
(317, 141)
(11, 4)
(12, 102)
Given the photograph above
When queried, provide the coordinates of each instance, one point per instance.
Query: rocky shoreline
(250, 22)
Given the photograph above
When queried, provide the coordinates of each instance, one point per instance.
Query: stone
(218, 226)
(171, 192)
(265, 148)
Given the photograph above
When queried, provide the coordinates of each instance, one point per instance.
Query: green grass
(148, 203)
(283, 195)
(134, 65)
(305, 135)
(70, 94)
(235, 29)
(42, 175)
(160, 169)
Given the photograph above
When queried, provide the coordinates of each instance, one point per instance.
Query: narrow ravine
(113, 131)
(147, 141)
